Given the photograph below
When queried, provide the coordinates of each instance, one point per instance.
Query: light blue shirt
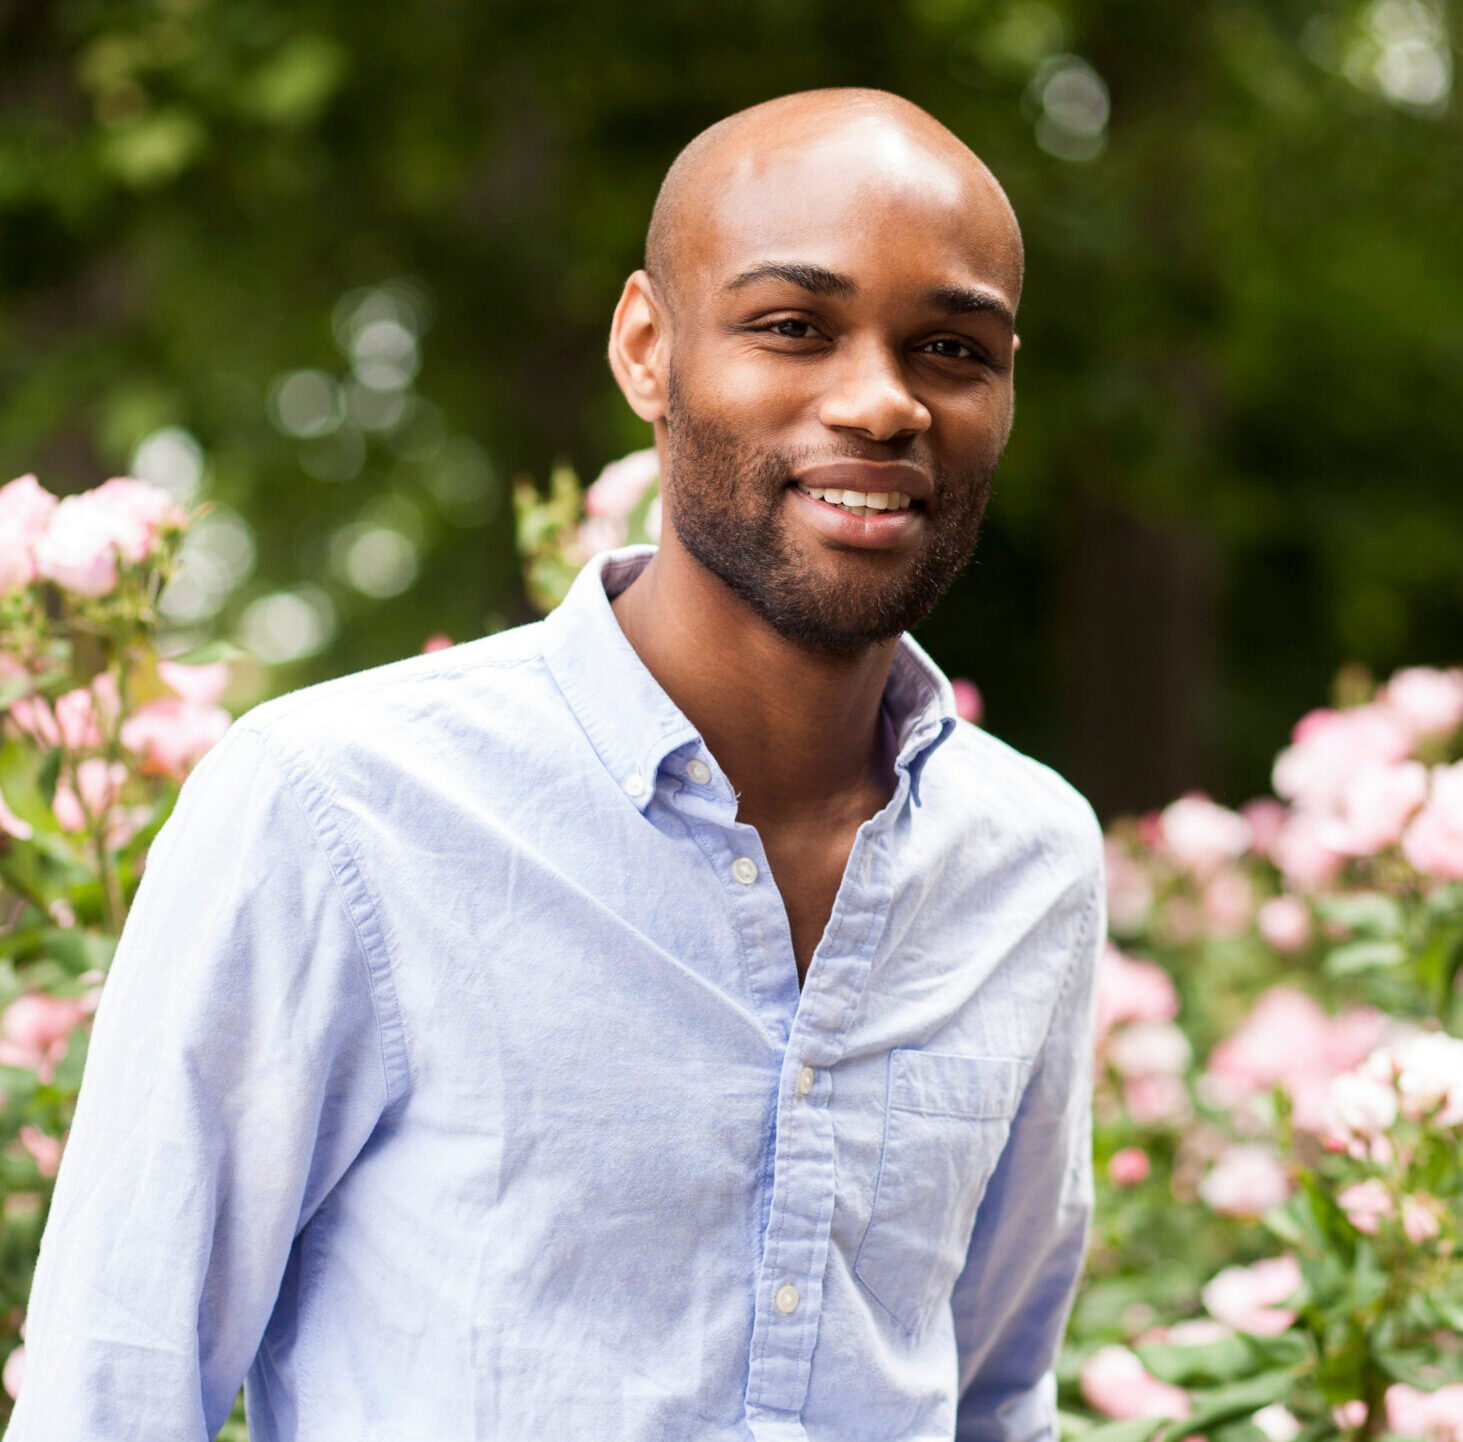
(453, 1081)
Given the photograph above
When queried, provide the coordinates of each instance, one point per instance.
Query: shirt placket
(789, 1289)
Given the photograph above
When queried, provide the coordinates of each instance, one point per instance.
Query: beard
(727, 504)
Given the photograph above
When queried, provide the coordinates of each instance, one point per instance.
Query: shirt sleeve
(1012, 1300)
(236, 1068)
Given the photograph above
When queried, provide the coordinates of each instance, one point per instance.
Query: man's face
(842, 323)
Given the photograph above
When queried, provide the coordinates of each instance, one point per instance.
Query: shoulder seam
(359, 907)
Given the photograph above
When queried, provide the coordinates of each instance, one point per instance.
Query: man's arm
(1011, 1301)
(236, 1067)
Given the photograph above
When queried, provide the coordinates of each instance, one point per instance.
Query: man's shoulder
(1015, 796)
(486, 685)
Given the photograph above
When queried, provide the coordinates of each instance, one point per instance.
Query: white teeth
(859, 502)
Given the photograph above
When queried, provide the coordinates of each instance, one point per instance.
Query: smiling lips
(880, 489)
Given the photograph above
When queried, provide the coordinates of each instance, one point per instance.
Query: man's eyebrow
(958, 300)
(817, 279)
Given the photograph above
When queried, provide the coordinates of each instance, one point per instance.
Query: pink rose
(1288, 1040)
(1329, 747)
(1193, 1332)
(1248, 1298)
(98, 789)
(1430, 1077)
(1433, 843)
(1436, 1416)
(84, 715)
(173, 734)
(207, 684)
(1353, 1035)
(1429, 701)
(1202, 835)
(1420, 1219)
(1228, 901)
(1155, 1099)
(622, 484)
(1365, 1204)
(968, 703)
(1266, 818)
(43, 1149)
(35, 1031)
(1358, 1109)
(1128, 1167)
(1285, 1032)
(1115, 1383)
(14, 1373)
(1284, 923)
(25, 510)
(36, 719)
(11, 824)
(1129, 891)
(595, 534)
(79, 550)
(1300, 851)
(139, 514)
(1247, 1181)
(1277, 1423)
(88, 534)
(1129, 990)
(1148, 1048)
(1376, 805)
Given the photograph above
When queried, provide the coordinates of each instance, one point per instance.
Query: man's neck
(799, 735)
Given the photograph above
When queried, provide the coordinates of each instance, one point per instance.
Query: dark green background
(1237, 454)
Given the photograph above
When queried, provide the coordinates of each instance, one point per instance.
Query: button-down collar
(634, 726)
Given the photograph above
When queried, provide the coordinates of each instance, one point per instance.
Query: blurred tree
(347, 269)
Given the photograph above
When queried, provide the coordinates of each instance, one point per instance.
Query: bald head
(889, 132)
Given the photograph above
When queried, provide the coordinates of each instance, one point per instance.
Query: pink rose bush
(25, 514)
(559, 533)
(96, 734)
(1295, 1180)
(1435, 1416)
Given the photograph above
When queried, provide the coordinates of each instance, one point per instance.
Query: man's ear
(640, 347)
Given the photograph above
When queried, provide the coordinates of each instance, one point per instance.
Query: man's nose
(870, 394)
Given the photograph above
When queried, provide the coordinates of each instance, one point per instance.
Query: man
(664, 1021)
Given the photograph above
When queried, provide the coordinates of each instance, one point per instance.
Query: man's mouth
(860, 503)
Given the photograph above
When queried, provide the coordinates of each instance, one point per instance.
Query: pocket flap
(933, 1084)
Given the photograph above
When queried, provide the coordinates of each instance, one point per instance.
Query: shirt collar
(634, 726)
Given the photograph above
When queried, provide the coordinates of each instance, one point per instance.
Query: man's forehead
(815, 189)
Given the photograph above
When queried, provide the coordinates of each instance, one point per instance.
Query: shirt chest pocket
(946, 1121)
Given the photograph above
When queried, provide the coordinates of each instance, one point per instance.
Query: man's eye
(953, 349)
(792, 329)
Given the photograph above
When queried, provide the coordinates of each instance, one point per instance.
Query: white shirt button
(786, 1299)
(699, 772)
(635, 786)
(806, 1079)
(745, 870)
